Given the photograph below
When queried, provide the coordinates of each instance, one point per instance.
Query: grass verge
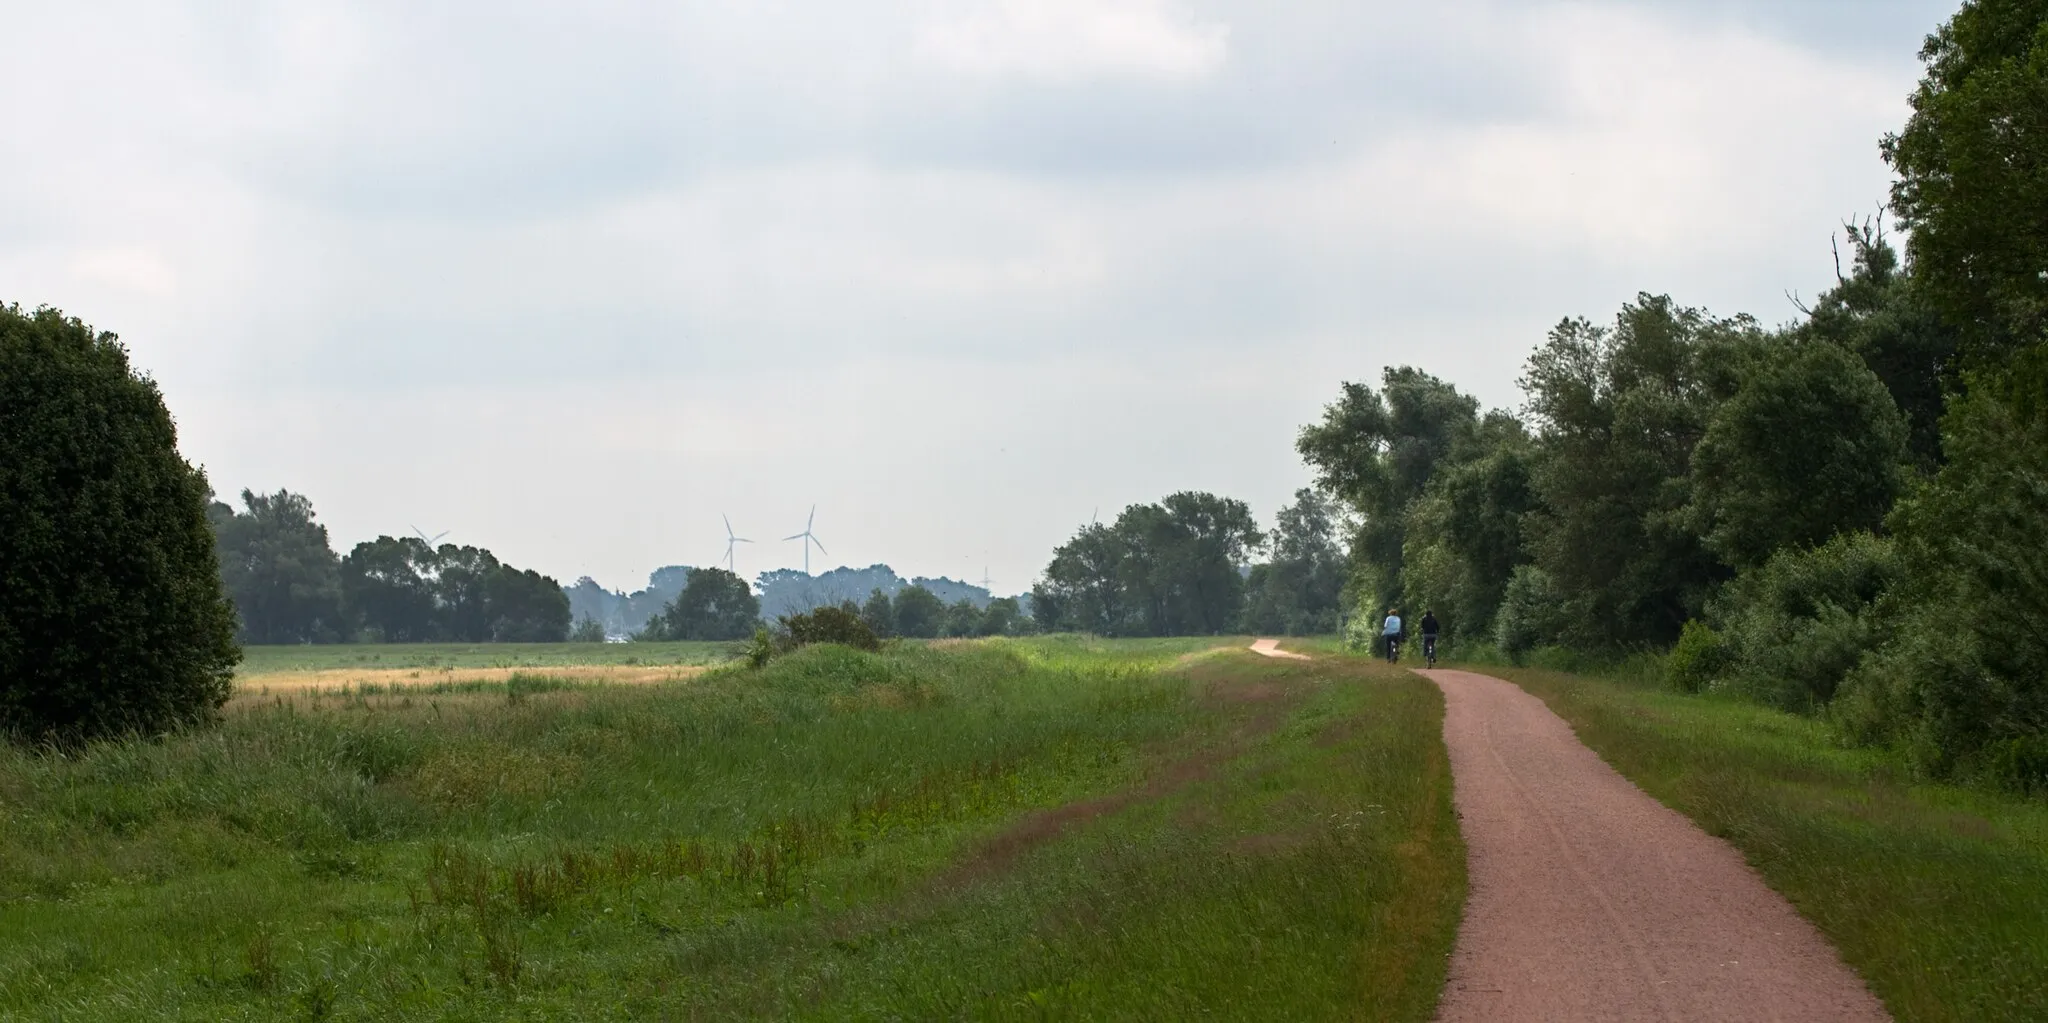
(1937, 895)
(991, 830)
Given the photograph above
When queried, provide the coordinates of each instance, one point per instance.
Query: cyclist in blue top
(1390, 632)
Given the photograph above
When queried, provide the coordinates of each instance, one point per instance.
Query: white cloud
(959, 277)
(1071, 40)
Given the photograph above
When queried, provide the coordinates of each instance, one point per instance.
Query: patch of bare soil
(1271, 648)
(1591, 901)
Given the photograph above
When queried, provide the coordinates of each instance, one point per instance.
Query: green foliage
(918, 613)
(829, 624)
(1967, 672)
(1809, 445)
(587, 630)
(760, 649)
(1532, 613)
(1168, 569)
(1797, 625)
(112, 616)
(1883, 315)
(1299, 592)
(963, 620)
(402, 591)
(1973, 174)
(714, 605)
(1620, 410)
(1378, 450)
(279, 569)
(879, 613)
(1699, 658)
(1004, 616)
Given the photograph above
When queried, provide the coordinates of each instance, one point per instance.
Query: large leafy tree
(1810, 445)
(1467, 533)
(1619, 411)
(1972, 162)
(919, 613)
(526, 606)
(279, 570)
(1167, 569)
(402, 591)
(387, 594)
(714, 604)
(112, 615)
(1299, 591)
(1377, 451)
(1883, 314)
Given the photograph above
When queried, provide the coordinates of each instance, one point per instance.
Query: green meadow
(991, 829)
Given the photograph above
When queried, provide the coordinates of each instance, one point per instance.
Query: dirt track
(1591, 901)
(1271, 648)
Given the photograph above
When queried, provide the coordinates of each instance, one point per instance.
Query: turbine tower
(731, 542)
(808, 539)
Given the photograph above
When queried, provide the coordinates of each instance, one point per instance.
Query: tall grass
(991, 829)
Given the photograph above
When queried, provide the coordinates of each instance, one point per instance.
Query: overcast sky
(572, 280)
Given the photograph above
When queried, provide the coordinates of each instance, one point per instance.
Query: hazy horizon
(571, 286)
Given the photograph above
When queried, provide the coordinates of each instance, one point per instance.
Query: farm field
(992, 829)
(266, 670)
(1936, 894)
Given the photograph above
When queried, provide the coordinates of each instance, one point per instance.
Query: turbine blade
(813, 520)
(741, 539)
(728, 523)
(799, 536)
(821, 547)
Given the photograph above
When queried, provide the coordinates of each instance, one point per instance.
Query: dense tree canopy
(1175, 568)
(1809, 445)
(112, 616)
(399, 590)
(279, 569)
(714, 604)
(1972, 162)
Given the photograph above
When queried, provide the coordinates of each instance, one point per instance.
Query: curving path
(1271, 648)
(1591, 901)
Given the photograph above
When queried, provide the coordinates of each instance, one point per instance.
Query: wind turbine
(432, 542)
(808, 539)
(731, 542)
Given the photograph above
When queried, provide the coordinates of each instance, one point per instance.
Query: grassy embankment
(990, 830)
(1938, 895)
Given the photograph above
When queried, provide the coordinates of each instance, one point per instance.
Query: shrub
(1531, 613)
(1699, 658)
(112, 616)
(1796, 626)
(587, 630)
(842, 625)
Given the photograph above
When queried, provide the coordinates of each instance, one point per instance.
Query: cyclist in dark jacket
(1429, 630)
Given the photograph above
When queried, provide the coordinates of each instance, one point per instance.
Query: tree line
(718, 605)
(1845, 516)
(1183, 566)
(288, 586)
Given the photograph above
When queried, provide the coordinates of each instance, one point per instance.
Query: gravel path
(1591, 901)
(1271, 648)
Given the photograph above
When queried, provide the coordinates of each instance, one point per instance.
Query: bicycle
(1393, 649)
(1429, 650)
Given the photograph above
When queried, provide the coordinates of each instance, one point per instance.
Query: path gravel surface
(1591, 901)
(1271, 648)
